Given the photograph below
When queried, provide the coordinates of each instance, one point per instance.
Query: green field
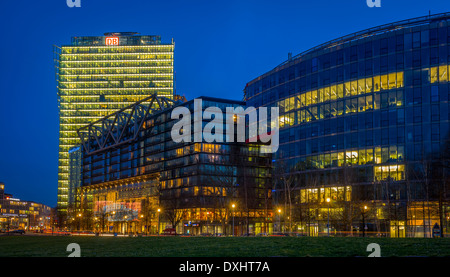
(48, 246)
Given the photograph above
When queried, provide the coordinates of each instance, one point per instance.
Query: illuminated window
(392, 80)
(384, 82)
(399, 79)
(340, 91)
(443, 73)
(376, 83)
(433, 75)
(361, 86)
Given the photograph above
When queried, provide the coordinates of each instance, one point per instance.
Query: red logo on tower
(112, 41)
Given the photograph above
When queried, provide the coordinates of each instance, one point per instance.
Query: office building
(136, 178)
(24, 215)
(98, 75)
(364, 133)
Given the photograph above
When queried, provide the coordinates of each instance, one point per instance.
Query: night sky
(219, 47)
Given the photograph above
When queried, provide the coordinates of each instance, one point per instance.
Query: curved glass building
(364, 130)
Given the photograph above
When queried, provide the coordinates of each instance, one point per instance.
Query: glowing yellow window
(297, 102)
(326, 94)
(354, 87)
(392, 80)
(282, 121)
(340, 158)
(314, 98)
(369, 85)
(378, 155)
(401, 172)
(198, 147)
(443, 73)
(376, 83)
(377, 172)
(292, 103)
(384, 82)
(333, 94)
(433, 75)
(308, 98)
(399, 79)
(361, 86)
(362, 157)
(347, 89)
(340, 90)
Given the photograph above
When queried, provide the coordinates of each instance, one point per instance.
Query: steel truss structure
(122, 126)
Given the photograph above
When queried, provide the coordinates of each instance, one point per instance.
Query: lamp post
(113, 220)
(126, 225)
(233, 206)
(279, 219)
(364, 222)
(142, 216)
(96, 227)
(79, 222)
(159, 210)
(328, 223)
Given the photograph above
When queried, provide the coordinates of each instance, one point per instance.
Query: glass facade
(97, 76)
(193, 183)
(368, 111)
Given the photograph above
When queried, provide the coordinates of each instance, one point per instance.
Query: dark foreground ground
(55, 246)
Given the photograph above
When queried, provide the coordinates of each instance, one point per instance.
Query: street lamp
(141, 216)
(279, 219)
(113, 221)
(159, 210)
(79, 222)
(328, 224)
(364, 218)
(233, 206)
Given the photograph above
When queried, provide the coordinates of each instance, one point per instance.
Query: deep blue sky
(219, 46)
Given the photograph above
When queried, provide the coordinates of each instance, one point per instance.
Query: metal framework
(122, 126)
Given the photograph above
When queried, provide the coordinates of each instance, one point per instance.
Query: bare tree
(284, 181)
(173, 211)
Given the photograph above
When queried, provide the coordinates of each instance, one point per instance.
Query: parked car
(280, 235)
(17, 232)
(169, 232)
(262, 235)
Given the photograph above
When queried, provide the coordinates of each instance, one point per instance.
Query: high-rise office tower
(98, 75)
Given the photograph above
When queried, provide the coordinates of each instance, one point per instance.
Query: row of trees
(423, 196)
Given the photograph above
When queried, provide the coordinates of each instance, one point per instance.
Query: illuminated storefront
(368, 111)
(97, 76)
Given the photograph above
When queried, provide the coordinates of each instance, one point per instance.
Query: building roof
(364, 34)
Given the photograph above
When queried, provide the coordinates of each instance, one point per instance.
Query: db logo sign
(112, 41)
(374, 3)
(73, 3)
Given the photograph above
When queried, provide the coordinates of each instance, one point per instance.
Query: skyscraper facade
(98, 75)
(364, 129)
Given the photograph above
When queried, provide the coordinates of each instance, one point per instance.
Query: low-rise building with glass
(137, 179)
(364, 135)
(16, 214)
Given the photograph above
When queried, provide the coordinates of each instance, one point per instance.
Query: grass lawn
(48, 246)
